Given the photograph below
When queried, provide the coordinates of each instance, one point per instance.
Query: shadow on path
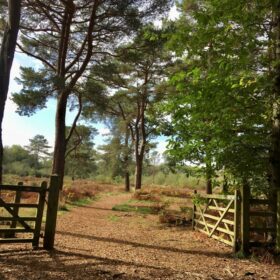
(148, 246)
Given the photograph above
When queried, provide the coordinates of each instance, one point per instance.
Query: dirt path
(94, 242)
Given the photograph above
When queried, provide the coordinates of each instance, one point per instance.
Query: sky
(17, 130)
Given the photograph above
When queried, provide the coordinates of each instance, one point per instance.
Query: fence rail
(238, 220)
(216, 217)
(14, 222)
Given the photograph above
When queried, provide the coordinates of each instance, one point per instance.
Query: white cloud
(161, 147)
(104, 131)
(174, 13)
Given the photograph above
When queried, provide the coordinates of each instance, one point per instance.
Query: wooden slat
(15, 240)
(203, 215)
(216, 237)
(222, 240)
(219, 196)
(20, 188)
(216, 218)
(22, 205)
(261, 244)
(13, 209)
(13, 213)
(259, 201)
(40, 211)
(7, 230)
(262, 230)
(26, 219)
(16, 209)
(221, 213)
(231, 210)
(223, 230)
(221, 217)
(262, 213)
(201, 230)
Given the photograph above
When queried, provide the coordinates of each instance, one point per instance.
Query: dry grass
(146, 195)
(165, 191)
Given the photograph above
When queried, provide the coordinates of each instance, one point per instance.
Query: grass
(175, 180)
(137, 209)
(113, 218)
(137, 201)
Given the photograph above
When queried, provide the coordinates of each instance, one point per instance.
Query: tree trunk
(126, 160)
(6, 59)
(127, 182)
(209, 186)
(225, 185)
(138, 172)
(60, 141)
(208, 179)
(275, 132)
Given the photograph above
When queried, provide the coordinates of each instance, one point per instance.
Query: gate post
(278, 224)
(245, 218)
(194, 210)
(53, 200)
(236, 245)
(16, 209)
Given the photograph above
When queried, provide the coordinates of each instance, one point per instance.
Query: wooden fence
(238, 220)
(215, 216)
(13, 218)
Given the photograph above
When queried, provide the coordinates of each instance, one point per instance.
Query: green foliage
(20, 161)
(218, 97)
(81, 156)
(39, 147)
(130, 98)
(37, 88)
(199, 200)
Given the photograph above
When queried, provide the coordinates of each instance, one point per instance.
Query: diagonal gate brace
(14, 214)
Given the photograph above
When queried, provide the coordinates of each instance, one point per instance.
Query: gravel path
(94, 242)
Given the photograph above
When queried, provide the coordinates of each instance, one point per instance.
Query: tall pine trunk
(6, 59)
(60, 140)
(127, 181)
(126, 161)
(275, 132)
(138, 172)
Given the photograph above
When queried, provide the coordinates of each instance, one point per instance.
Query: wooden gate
(216, 216)
(17, 224)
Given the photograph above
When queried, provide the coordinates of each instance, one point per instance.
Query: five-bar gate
(20, 220)
(216, 217)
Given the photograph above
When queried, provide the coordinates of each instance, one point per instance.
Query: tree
(81, 156)
(39, 148)
(116, 154)
(154, 158)
(67, 38)
(134, 74)
(7, 51)
(17, 160)
(222, 86)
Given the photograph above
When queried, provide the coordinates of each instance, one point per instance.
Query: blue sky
(17, 130)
